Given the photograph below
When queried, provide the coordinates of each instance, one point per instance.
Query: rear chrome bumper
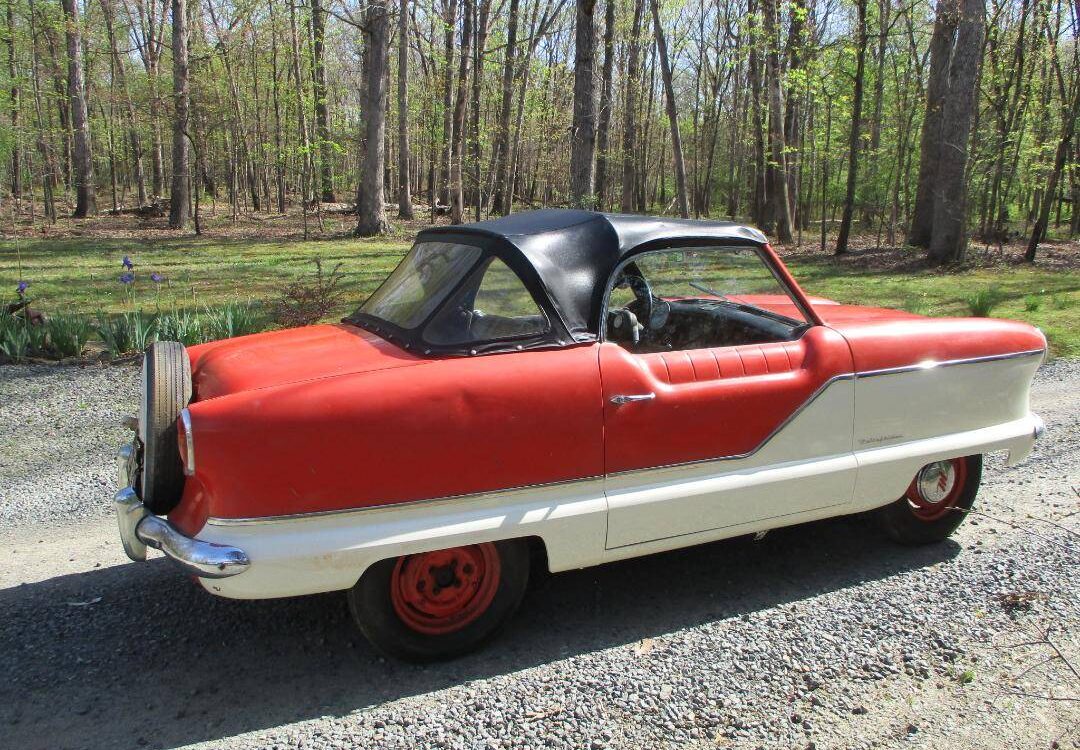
(139, 529)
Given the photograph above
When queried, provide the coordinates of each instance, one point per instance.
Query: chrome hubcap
(936, 481)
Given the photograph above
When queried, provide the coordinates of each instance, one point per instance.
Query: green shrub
(229, 321)
(180, 325)
(308, 300)
(15, 337)
(1062, 301)
(1032, 303)
(983, 302)
(916, 304)
(67, 334)
(127, 332)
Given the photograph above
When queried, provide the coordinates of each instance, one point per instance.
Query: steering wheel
(642, 306)
(651, 310)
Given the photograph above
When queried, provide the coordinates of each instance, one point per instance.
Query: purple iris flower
(21, 288)
(127, 278)
(156, 277)
(128, 264)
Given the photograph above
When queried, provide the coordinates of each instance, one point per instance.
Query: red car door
(708, 437)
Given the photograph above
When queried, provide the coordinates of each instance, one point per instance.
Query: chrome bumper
(139, 529)
(1040, 426)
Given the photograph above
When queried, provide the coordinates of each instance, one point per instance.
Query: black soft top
(570, 254)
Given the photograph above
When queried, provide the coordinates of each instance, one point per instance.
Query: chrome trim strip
(189, 443)
(203, 559)
(248, 521)
(931, 364)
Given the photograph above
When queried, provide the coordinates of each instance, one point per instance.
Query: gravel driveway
(819, 636)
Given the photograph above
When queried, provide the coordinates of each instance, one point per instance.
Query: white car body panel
(854, 446)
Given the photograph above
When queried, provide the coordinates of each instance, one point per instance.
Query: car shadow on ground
(136, 655)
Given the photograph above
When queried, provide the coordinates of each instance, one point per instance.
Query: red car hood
(293, 355)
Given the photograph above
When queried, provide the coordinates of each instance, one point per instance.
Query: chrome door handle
(619, 400)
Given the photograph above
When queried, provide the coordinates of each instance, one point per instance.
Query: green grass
(943, 293)
(81, 275)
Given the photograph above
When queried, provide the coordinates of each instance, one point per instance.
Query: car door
(730, 411)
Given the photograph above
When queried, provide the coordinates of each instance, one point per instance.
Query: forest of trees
(908, 120)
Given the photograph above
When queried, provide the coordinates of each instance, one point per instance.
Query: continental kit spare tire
(166, 386)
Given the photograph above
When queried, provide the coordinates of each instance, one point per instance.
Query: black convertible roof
(571, 254)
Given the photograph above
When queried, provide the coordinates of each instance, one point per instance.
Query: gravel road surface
(820, 636)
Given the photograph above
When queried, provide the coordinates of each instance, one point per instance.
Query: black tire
(167, 372)
(900, 522)
(372, 608)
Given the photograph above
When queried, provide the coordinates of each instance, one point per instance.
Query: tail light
(186, 442)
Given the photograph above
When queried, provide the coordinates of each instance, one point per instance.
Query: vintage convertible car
(549, 391)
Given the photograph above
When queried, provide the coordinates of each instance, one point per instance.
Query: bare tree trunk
(854, 138)
(450, 13)
(759, 209)
(85, 197)
(779, 188)
(793, 115)
(279, 157)
(948, 239)
(179, 194)
(49, 170)
(606, 104)
(482, 11)
(457, 190)
(583, 129)
(633, 84)
(405, 207)
(129, 106)
(941, 44)
(307, 167)
(13, 72)
(1068, 127)
(672, 113)
(501, 156)
(322, 110)
(372, 216)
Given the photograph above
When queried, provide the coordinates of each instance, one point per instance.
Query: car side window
(494, 304)
(698, 298)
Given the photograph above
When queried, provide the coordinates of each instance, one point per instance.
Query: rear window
(420, 283)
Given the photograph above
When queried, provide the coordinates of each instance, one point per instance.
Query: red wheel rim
(440, 592)
(936, 488)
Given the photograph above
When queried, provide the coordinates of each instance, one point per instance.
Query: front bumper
(139, 529)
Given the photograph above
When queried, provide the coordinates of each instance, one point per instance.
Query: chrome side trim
(203, 559)
(931, 364)
(189, 443)
(249, 521)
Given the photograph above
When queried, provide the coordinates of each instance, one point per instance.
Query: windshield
(420, 283)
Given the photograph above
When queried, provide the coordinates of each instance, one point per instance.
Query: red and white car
(557, 389)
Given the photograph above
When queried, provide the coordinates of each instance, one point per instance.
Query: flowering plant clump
(20, 289)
